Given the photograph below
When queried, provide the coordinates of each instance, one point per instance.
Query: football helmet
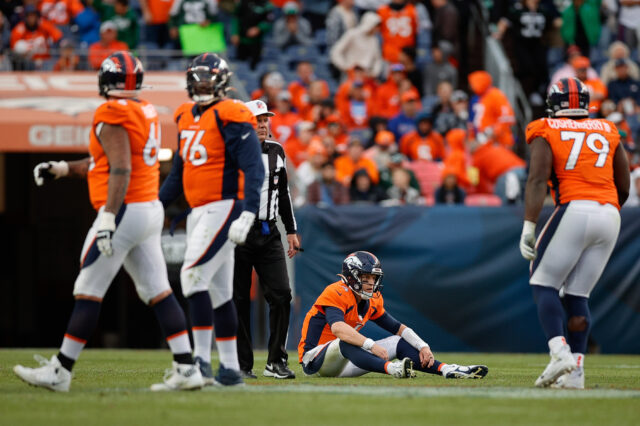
(120, 75)
(208, 78)
(568, 97)
(356, 264)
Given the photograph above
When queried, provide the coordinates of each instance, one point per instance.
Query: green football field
(110, 387)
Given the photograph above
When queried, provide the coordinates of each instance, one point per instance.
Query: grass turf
(111, 387)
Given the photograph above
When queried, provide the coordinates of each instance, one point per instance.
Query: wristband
(59, 168)
(528, 227)
(413, 339)
(107, 221)
(368, 344)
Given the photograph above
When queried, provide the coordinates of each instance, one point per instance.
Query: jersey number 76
(193, 151)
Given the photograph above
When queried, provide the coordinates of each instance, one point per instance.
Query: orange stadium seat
(429, 175)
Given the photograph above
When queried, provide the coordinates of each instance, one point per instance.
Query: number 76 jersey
(583, 153)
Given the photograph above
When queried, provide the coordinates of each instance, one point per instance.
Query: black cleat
(279, 370)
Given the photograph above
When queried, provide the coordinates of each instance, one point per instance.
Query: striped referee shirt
(275, 198)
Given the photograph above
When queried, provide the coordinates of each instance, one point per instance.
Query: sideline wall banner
(52, 112)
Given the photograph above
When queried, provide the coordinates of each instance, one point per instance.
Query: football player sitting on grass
(331, 345)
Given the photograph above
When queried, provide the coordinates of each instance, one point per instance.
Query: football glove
(528, 240)
(240, 227)
(106, 228)
(49, 171)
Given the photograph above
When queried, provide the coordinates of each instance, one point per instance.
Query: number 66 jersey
(583, 152)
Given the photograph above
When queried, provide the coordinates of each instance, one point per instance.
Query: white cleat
(561, 363)
(401, 369)
(573, 380)
(50, 375)
(180, 377)
(455, 371)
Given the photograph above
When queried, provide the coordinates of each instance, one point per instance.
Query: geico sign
(62, 135)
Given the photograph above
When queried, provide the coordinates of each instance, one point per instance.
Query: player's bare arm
(79, 168)
(115, 142)
(621, 175)
(539, 172)
(51, 170)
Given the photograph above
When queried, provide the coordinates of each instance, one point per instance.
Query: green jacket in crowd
(192, 12)
(589, 14)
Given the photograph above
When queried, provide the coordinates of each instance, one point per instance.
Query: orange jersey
(583, 153)
(300, 97)
(388, 99)
(597, 89)
(208, 173)
(494, 160)
(416, 147)
(283, 126)
(315, 329)
(140, 120)
(494, 110)
(159, 10)
(398, 29)
(39, 40)
(60, 12)
(98, 52)
(346, 168)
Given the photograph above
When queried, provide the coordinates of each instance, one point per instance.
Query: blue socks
(174, 327)
(225, 320)
(404, 350)
(550, 310)
(579, 322)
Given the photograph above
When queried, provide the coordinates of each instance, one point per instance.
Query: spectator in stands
(449, 192)
(60, 12)
(315, 11)
(356, 74)
(629, 23)
(618, 50)
(581, 24)
(31, 40)
(597, 90)
(299, 88)
(296, 147)
(353, 160)
(401, 193)
(424, 20)
(457, 159)
(355, 113)
(126, 21)
(186, 12)
(10, 10)
(68, 60)
(87, 24)
(100, 50)
(336, 132)
(405, 121)
(499, 168)
(283, 124)
(383, 148)
(292, 29)
(341, 18)
(272, 84)
(439, 69)
(309, 170)
(445, 24)
(529, 20)
(567, 70)
(327, 191)
(423, 143)
(397, 161)
(359, 46)
(399, 28)
(414, 75)
(252, 21)
(451, 112)
(388, 93)
(363, 190)
(623, 86)
(493, 113)
(156, 18)
(5, 42)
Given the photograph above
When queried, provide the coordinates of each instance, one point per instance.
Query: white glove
(528, 240)
(50, 170)
(240, 227)
(106, 228)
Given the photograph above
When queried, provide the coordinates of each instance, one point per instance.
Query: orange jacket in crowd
(60, 12)
(345, 169)
(351, 120)
(300, 98)
(493, 160)
(283, 126)
(388, 99)
(38, 40)
(159, 10)
(596, 87)
(457, 160)
(398, 29)
(341, 97)
(98, 52)
(429, 147)
(296, 151)
(493, 110)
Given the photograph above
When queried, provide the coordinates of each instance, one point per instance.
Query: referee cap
(258, 108)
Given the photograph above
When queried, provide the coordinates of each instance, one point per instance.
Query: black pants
(265, 253)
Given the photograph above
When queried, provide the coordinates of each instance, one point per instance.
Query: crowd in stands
(374, 100)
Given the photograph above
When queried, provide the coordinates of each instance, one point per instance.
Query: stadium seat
(429, 175)
(483, 200)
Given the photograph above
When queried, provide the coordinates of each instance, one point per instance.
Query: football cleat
(561, 363)
(228, 377)
(278, 370)
(573, 380)
(401, 369)
(50, 375)
(180, 377)
(248, 374)
(455, 371)
(205, 371)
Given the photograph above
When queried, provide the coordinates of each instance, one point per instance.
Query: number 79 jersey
(583, 153)
(140, 119)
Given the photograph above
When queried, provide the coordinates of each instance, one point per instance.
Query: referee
(263, 251)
